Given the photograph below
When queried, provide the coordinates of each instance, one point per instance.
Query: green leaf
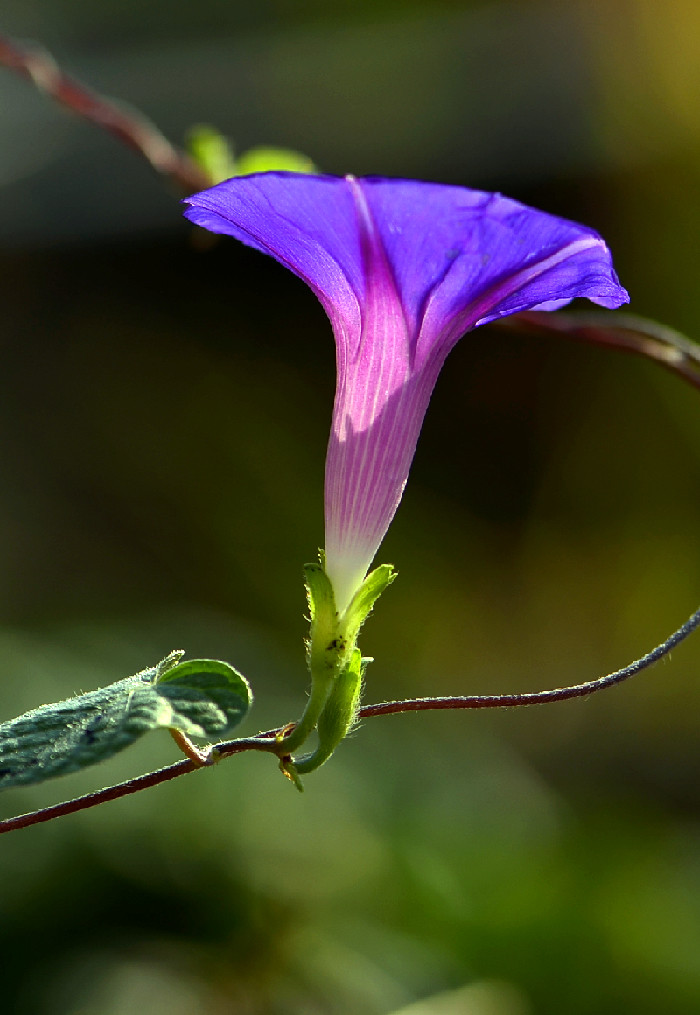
(201, 698)
(263, 160)
(212, 152)
(208, 698)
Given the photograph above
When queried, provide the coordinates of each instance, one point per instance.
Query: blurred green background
(163, 417)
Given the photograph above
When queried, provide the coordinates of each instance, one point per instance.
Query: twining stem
(263, 742)
(268, 741)
(625, 332)
(124, 123)
(537, 697)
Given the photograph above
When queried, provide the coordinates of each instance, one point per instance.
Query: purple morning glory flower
(403, 270)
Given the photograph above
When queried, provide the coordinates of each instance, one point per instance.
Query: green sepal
(364, 599)
(201, 698)
(334, 661)
(319, 592)
(325, 646)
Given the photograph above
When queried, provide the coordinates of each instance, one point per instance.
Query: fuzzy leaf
(201, 698)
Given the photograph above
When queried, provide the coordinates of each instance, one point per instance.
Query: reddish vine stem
(124, 123)
(625, 332)
(102, 796)
(268, 741)
(538, 697)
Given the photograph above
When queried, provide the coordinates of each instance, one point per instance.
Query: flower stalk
(403, 269)
(335, 663)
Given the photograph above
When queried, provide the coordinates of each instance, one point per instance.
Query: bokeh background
(163, 417)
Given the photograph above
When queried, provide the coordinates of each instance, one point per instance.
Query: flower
(403, 270)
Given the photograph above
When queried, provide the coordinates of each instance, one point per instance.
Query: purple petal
(403, 270)
(465, 257)
(309, 229)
